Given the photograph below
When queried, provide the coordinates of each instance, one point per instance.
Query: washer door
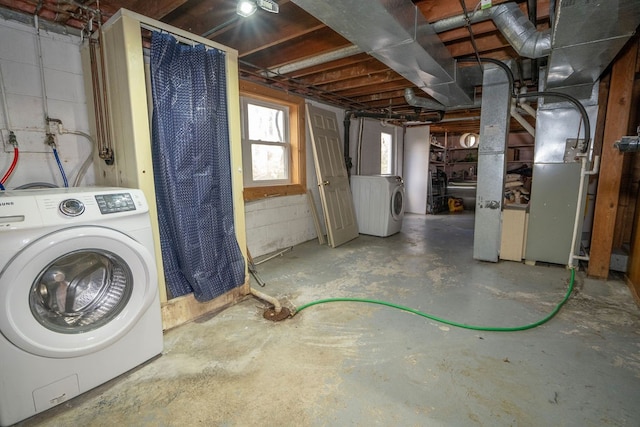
(75, 291)
(397, 203)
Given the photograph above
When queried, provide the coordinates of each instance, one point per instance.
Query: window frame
(391, 151)
(248, 143)
(297, 154)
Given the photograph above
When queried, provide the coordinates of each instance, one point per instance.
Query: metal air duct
(430, 104)
(396, 33)
(586, 37)
(520, 32)
(514, 25)
(511, 21)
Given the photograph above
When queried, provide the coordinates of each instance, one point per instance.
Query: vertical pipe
(532, 7)
(347, 127)
(583, 174)
(45, 108)
(5, 103)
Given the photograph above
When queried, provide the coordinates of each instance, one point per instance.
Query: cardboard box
(514, 226)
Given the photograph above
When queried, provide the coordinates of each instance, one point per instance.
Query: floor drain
(270, 314)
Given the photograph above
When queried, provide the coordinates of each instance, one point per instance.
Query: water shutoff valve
(12, 139)
(50, 140)
(628, 144)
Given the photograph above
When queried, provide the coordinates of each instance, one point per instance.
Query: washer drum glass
(81, 291)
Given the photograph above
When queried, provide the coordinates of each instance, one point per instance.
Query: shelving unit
(459, 163)
(437, 186)
(437, 192)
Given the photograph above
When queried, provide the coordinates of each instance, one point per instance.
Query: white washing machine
(78, 294)
(379, 203)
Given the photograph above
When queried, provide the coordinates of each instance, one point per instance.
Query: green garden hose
(450, 322)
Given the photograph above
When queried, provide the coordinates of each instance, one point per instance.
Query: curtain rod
(182, 39)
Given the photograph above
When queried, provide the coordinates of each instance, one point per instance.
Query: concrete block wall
(24, 109)
(278, 223)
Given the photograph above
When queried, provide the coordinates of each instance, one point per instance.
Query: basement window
(386, 153)
(272, 142)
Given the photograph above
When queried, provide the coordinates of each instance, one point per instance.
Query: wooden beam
(633, 270)
(178, 311)
(155, 9)
(617, 124)
(633, 273)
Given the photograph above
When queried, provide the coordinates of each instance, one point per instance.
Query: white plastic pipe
(525, 124)
(526, 107)
(583, 173)
(277, 307)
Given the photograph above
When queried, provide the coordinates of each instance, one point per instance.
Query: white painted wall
(416, 166)
(370, 151)
(23, 111)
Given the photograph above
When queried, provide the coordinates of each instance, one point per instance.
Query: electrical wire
(64, 176)
(471, 35)
(451, 322)
(543, 94)
(16, 154)
(575, 102)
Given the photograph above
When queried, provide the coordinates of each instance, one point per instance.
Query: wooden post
(633, 273)
(617, 125)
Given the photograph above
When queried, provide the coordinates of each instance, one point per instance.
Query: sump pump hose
(451, 322)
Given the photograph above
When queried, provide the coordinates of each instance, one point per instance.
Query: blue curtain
(192, 169)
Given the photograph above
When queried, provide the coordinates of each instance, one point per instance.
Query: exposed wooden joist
(154, 9)
(321, 40)
(357, 70)
(332, 65)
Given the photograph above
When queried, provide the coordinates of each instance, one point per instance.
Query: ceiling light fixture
(268, 5)
(248, 7)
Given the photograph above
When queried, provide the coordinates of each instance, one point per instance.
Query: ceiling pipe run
(345, 52)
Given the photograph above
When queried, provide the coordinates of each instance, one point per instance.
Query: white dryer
(379, 203)
(78, 294)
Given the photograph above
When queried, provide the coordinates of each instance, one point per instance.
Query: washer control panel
(30, 209)
(112, 203)
(71, 207)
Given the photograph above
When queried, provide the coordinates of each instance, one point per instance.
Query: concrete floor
(362, 364)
